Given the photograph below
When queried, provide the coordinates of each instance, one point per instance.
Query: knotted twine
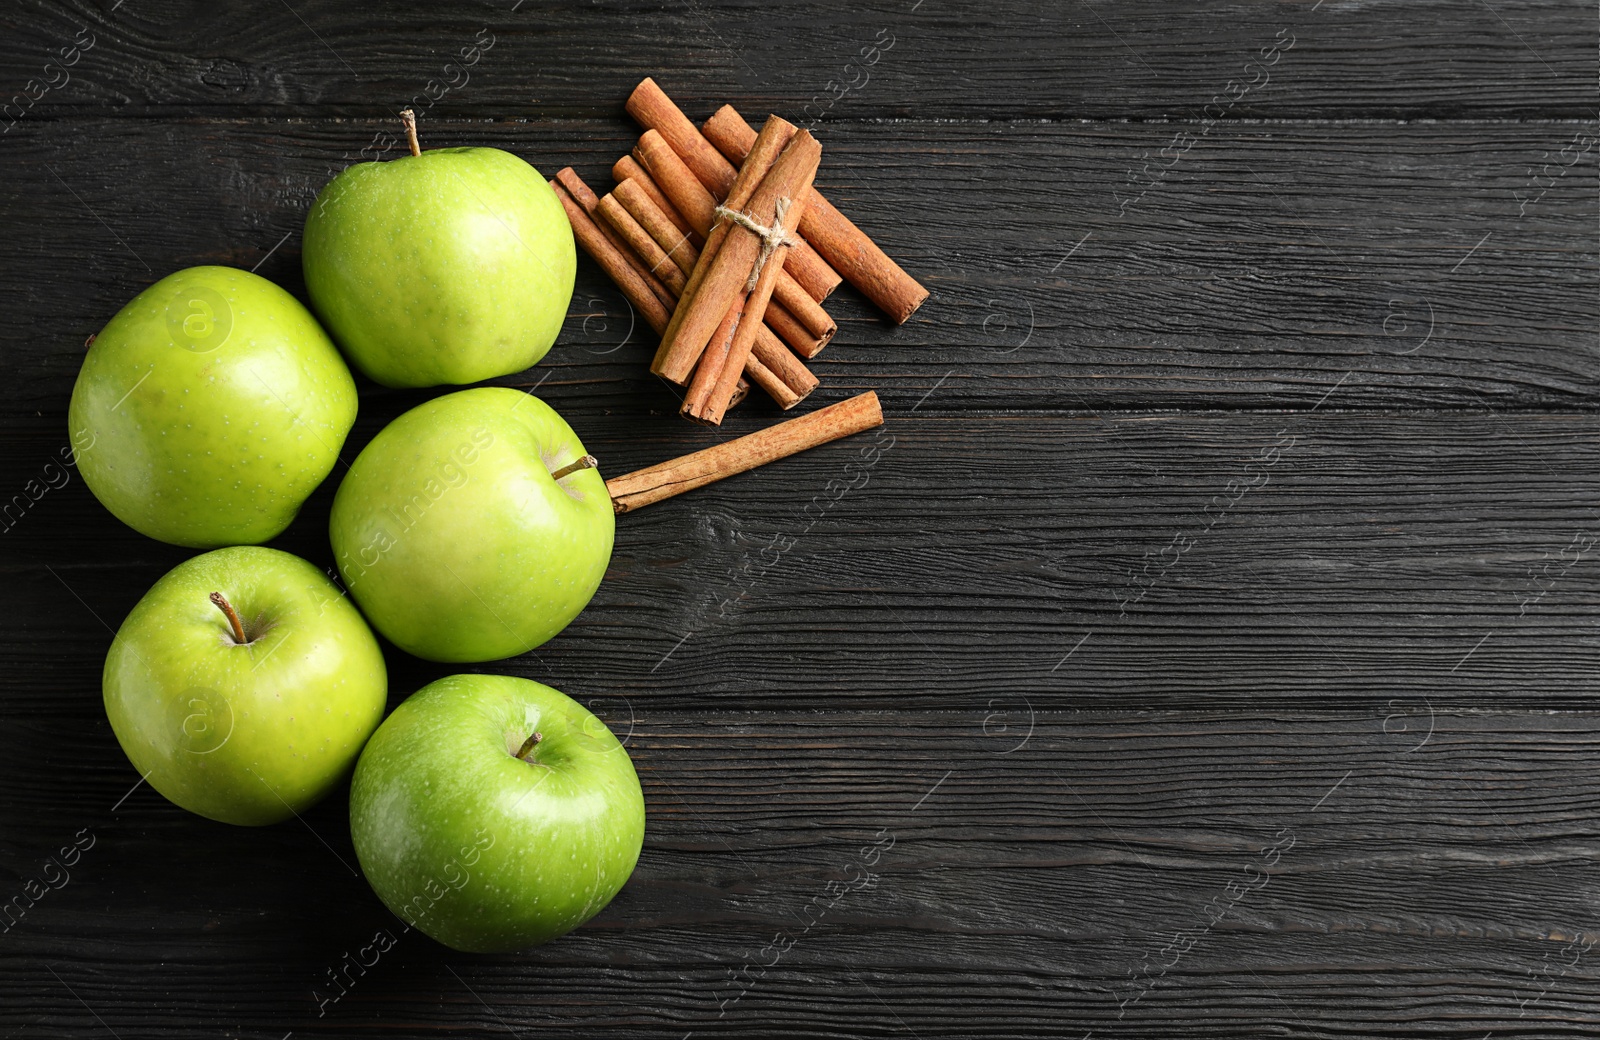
(771, 237)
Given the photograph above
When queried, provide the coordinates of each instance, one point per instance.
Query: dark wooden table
(1211, 654)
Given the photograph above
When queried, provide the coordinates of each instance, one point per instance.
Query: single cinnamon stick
(654, 483)
(585, 197)
(676, 181)
(650, 106)
(628, 169)
(772, 365)
(695, 319)
(613, 261)
(830, 232)
(807, 336)
(779, 203)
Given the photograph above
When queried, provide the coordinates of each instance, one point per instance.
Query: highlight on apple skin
(244, 685)
(456, 537)
(209, 408)
(452, 266)
(495, 813)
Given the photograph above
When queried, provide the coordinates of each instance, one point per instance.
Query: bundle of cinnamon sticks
(728, 263)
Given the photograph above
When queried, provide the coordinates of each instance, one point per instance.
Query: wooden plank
(1135, 560)
(1407, 265)
(860, 873)
(1014, 58)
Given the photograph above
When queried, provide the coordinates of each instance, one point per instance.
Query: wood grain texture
(1435, 875)
(1204, 648)
(1007, 59)
(1405, 264)
(1246, 560)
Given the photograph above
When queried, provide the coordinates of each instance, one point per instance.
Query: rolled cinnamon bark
(651, 107)
(581, 193)
(779, 362)
(676, 181)
(654, 483)
(830, 232)
(628, 169)
(680, 349)
(717, 281)
(807, 335)
(713, 359)
(778, 204)
(773, 366)
(643, 244)
(613, 261)
(679, 184)
(634, 195)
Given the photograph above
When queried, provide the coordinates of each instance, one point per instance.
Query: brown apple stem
(408, 119)
(233, 617)
(582, 462)
(527, 745)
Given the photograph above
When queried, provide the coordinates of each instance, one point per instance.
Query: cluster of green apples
(490, 812)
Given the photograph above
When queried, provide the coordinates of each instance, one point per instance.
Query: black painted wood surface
(1210, 653)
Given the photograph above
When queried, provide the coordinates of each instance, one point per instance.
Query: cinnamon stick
(831, 233)
(779, 204)
(650, 106)
(807, 334)
(628, 169)
(772, 366)
(654, 483)
(717, 355)
(635, 197)
(676, 181)
(581, 193)
(613, 261)
(643, 244)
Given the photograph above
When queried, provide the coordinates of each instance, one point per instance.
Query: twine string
(771, 237)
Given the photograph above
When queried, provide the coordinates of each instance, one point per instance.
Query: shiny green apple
(452, 266)
(209, 408)
(243, 685)
(494, 813)
(454, 536)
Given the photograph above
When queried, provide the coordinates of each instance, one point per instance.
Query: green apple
(463, 530)
(495, 813)
(451, 266)
(243, 685)
(209, 408)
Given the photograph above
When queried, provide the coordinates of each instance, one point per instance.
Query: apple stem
(233, 617)
(408, 119)
(583, 462)
(527, 745)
